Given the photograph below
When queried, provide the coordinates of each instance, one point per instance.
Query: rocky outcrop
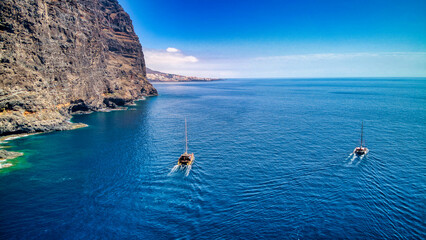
(7, 155)
(4, 155)
(62, 57)
(156, 76)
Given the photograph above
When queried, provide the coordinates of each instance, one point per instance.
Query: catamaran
(186, 159)
(359, 151)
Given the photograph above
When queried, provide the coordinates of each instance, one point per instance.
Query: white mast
(186, 138)
(362, 131)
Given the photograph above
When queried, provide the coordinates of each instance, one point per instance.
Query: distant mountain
(156, 76)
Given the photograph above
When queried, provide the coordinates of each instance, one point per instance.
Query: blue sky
(303, 38)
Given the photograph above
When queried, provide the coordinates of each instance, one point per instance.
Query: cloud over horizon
(172, 50)
(358, 64)
(160, 59)
(292, 39)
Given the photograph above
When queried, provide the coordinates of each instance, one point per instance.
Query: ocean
(272, 161)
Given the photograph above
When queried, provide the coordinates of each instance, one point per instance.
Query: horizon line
(303, 78)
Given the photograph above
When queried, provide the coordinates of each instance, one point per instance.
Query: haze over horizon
(307, 38)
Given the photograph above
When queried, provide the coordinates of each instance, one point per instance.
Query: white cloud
(164, 59)
(361, 64)
(172, 60)
(172, 50)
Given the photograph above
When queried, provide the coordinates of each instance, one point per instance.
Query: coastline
(176, 81)
(6, 155)
(10, 137)
(157, 76)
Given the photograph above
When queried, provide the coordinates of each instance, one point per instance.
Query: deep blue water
(272, 161)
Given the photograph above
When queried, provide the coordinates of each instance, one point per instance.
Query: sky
(282, 38)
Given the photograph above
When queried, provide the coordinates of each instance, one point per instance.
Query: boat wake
(354, 160)
(188, 170)
(174, 169)
(185, 169)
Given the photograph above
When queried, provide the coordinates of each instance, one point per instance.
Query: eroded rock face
(58, 57)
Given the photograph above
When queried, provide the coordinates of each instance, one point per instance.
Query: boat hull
(359, 151)
(186, 159)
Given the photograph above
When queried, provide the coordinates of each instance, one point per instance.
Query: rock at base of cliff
(6, 155)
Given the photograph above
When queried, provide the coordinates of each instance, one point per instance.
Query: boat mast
(362, 130)
(186, 138)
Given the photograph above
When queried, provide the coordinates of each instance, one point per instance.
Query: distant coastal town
(156, 76)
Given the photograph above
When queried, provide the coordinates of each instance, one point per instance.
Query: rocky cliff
(59, 57)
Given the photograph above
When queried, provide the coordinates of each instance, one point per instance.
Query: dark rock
(79, 106)
(114, 102)
(59, 58)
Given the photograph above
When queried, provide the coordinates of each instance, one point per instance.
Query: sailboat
(186, 158)
(360, 151)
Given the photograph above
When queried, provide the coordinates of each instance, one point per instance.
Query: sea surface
(272, 161)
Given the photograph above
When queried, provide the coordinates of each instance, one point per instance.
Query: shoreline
(10, 137)
(179, 81)
(6, 155)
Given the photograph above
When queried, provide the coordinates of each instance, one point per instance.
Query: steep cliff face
(58, 57)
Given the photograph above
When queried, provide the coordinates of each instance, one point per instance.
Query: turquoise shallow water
(272, 161)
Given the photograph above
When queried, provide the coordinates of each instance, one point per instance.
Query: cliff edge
(62, 57)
